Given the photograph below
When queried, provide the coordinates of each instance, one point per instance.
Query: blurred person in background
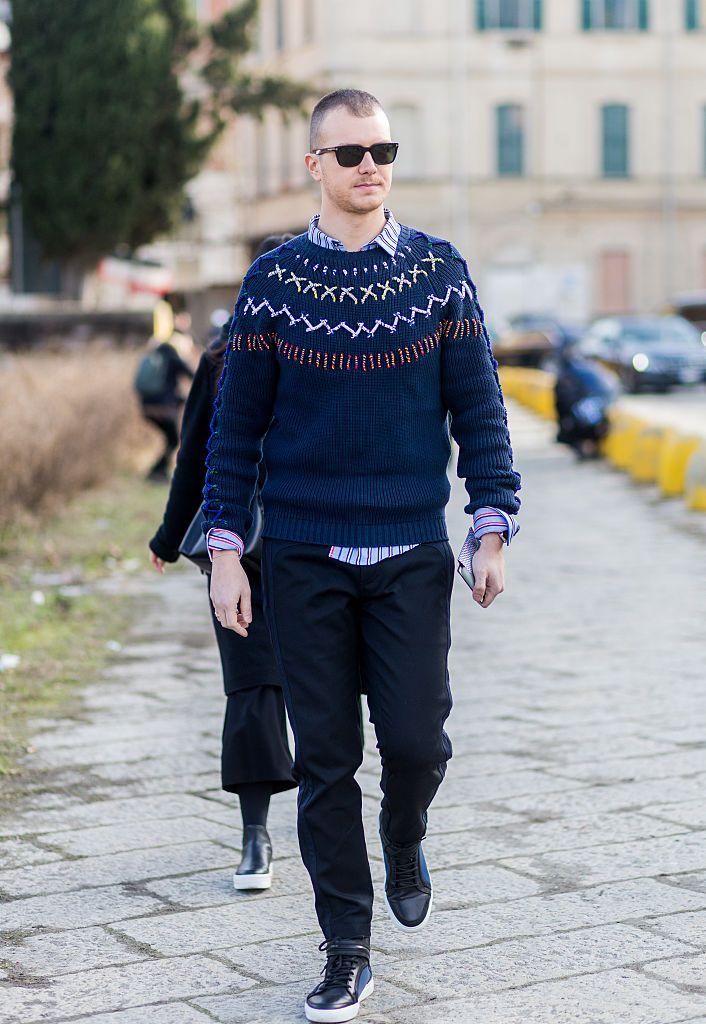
(351, 344)
(583, 394)
(255, 758)
(157, 383)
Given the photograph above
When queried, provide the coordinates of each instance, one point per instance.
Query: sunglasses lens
(350, 156)
(383, 152)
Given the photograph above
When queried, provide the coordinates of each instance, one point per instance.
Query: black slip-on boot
(408, 893)
(255, 868)
(347, 980)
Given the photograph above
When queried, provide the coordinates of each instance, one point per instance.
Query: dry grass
(67, 422)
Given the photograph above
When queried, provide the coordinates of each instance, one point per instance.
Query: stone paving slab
(523, 962)
(168, 1013)
(52, 955)
(134, 866)
(18, 853)
(567, 844)
(218, 927)
(108, 812)
(685, 927)
(608, 997)
(77, 909)
(141, 835)
(112, 988)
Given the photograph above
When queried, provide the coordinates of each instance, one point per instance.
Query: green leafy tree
(117, 103)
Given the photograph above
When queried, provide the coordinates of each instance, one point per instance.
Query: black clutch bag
(193, 545)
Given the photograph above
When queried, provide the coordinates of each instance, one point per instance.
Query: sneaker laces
(404, 870)
(341, 963)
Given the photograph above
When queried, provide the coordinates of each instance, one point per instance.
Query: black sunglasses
(351, 156)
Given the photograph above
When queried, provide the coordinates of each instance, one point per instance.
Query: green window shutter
(692, 15)
(510, 140)
(587, 20)
(537, 15)
(481, 19)
(615, 130)
(643, 15)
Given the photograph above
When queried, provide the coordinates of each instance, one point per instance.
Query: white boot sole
(403, 927)
(243, 882)
(338, 1016)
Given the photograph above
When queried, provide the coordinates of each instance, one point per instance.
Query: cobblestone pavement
(567, 845)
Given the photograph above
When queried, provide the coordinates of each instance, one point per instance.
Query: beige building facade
(561, 144)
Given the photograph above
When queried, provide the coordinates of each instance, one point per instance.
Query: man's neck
(352, 230)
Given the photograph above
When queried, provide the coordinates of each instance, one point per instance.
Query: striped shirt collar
(387, 239)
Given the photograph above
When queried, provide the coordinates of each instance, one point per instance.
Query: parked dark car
(648, 352)
(532, 339)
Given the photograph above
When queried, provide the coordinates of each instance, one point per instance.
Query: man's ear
(313, 166)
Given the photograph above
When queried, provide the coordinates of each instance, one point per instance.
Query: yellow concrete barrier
(674, 456)
(695, 484)
(651, 452)
(644, 458)
(625, 442)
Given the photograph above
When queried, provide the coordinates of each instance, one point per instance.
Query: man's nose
(367, 164)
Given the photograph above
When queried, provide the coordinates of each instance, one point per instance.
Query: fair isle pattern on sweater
(354, 457)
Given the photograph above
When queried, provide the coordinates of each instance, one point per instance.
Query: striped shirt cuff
(493, 520)
(487, 520)
(223, 540)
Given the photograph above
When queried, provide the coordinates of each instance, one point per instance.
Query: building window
(616, 15)
(510, 140)
(695, 13)
(616, 144)
(279, 25)
(509, 14)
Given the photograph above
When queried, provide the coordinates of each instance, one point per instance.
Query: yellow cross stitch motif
(416, 271)
(293, 279)
(312, 286)
(278, 271)
(368, 293)
(402, 280)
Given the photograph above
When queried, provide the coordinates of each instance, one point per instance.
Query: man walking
(350, 346)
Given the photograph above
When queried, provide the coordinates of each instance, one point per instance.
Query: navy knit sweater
(346, 365)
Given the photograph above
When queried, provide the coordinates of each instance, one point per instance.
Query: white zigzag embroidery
(255, 308)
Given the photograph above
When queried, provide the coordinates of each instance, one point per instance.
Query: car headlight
(640, 362)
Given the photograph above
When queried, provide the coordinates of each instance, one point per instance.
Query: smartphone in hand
(467, 574)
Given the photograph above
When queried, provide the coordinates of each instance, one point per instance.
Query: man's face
(360, 189)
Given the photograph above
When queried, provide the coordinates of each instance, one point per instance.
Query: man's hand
(230, 592)
(489, 569)
(157, 562)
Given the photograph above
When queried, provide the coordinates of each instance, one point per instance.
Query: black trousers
(332, 624)
(255, 746)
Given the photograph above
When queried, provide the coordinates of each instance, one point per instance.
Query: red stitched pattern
(254, 342)
(365, 361)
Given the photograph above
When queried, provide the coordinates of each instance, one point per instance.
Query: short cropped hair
(356, 102)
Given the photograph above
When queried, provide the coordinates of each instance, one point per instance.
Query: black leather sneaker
(255, 868)
(408, 894)
(347, 981)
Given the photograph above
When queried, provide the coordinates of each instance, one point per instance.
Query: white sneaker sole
(338, 1016)
(243, 882)
(403, 927)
